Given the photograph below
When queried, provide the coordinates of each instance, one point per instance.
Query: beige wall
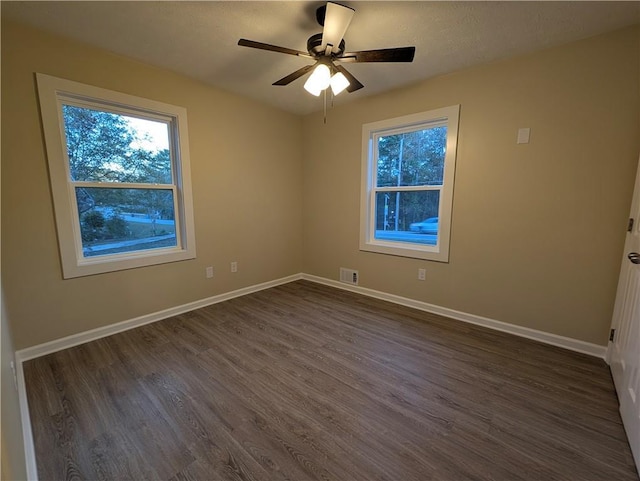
(246, 171)
(538, 229)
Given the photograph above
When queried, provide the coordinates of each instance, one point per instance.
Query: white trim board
(50, 347)
(27, 434)
(541, 336)
(76, 339)
(100, 332)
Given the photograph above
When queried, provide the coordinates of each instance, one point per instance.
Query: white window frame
(446, 116)
(53, 94)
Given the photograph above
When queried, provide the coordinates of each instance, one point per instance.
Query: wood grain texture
(307, 382)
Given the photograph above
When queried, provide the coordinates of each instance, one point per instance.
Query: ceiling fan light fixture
(338, 83)
(312, 91)
(328, 49)
(319, 80)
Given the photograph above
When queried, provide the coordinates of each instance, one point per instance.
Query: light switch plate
(523, 135)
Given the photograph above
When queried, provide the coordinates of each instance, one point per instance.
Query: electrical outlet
(209, 272)
(422, 274)
(234, 266)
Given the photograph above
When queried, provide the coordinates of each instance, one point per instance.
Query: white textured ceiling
(199, 39)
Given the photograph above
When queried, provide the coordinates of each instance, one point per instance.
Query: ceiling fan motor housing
(314, 46)
(335, 20)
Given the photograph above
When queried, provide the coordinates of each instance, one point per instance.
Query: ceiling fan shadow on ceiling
(327, 49)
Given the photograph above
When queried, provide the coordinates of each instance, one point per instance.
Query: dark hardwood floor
(306, 382)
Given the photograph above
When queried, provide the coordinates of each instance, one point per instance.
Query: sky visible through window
(150, 135)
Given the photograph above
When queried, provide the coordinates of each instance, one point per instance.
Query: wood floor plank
(305, 382)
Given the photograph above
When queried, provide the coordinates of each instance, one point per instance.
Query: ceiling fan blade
(354, 84)
(272, 48)
(400, 54)
(293, 76)
(336, 21)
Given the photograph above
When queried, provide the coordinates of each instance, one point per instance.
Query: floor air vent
(349, 276)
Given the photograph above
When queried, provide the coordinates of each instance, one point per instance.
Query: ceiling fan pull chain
(327, 49)
(325, 105)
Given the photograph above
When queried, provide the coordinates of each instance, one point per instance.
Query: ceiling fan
(328, 51)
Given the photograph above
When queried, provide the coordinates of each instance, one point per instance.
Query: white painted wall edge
(33, 352)
(541, 336)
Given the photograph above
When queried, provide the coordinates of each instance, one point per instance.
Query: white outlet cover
(523, 135)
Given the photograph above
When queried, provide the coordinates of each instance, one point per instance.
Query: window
(119, 169)
(408, 166)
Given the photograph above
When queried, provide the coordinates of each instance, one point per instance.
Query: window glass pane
(113, 221)
(108, 147)
(412, 158)
(408, 216)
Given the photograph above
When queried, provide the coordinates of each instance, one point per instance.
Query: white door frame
(623, 351)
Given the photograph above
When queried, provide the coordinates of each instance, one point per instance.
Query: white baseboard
(76, 339)
(100, 332)
(27, 434)
(541, 336)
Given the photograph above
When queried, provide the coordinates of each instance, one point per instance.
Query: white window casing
(371, 132)
(56, 92)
